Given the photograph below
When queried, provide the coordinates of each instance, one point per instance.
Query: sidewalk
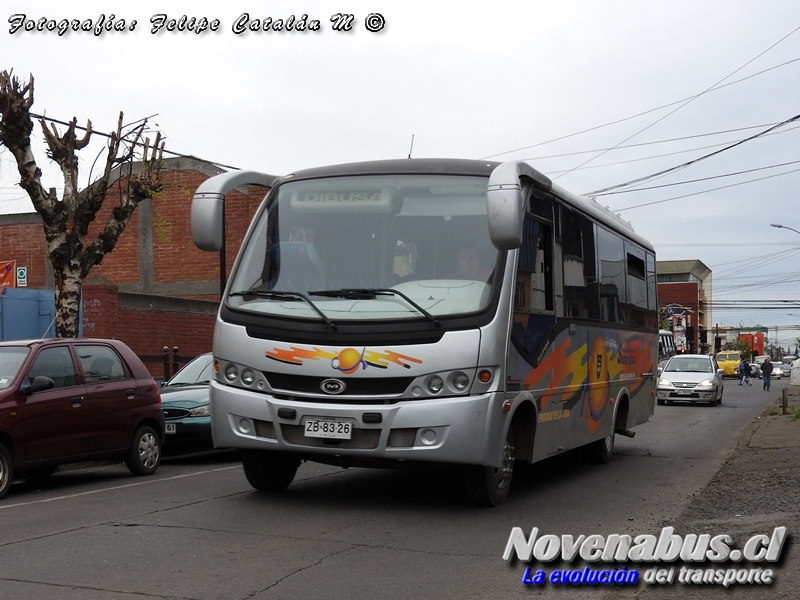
(756, 490)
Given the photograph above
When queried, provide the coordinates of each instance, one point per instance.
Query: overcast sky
(592, 93)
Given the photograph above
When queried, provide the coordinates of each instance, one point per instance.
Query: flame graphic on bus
(347, 360)
(583, 374)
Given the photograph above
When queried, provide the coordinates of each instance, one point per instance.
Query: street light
(779, 226)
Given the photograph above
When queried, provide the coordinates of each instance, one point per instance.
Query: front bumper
(704, 394)
(190, 432)
(447, 430)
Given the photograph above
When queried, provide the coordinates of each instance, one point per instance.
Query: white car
(795, 377)
(777, 370)
(690, 378)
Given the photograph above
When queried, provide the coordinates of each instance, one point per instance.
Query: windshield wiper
(280, 295)
(369, 293)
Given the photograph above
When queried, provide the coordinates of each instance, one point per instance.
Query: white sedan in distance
(690, 378)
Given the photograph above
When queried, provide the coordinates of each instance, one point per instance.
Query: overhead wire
(723, 187)
(700, 179)
(682, 105)
(691, 162)
(618, 121)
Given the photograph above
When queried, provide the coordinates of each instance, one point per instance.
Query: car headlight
(200, 411)
(706, 383)
(662, 381)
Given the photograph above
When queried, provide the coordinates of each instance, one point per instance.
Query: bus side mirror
(208, 204)
(506, 204)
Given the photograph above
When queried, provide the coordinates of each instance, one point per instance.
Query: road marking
(117, 487)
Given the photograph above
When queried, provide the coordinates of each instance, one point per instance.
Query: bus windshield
(373, 247)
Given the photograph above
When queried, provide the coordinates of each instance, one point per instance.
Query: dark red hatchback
(73, 400)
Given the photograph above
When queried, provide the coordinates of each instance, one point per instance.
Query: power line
(690, 100)
(665, 185)
(696, 160)
(723, 187)
(664, 141)
(618, 121)
(108, 135)
(25, 198)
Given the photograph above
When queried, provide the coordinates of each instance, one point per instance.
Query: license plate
(170, 428)
(321, 428)
(685, 392)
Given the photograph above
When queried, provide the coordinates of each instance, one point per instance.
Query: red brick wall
(24, 243)
(684, 294)
(145, 331)
(175, 257)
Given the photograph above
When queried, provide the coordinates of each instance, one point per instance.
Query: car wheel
(719, 399)
(144, 455)
(269, 471)
(660, 402)
(489, 486)
(6, 471)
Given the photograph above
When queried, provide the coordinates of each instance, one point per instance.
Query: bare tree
(66, 220)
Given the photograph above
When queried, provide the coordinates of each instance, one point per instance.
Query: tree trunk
(68, 302)
(66, 221)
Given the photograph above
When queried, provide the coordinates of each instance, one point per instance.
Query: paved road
(196, 530)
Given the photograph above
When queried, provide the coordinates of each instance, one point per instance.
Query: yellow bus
(729, 360)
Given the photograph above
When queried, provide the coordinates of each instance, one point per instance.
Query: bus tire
(269, 471)
(489, 486)
(600, 451)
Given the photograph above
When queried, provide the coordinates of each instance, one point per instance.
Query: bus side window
(534, 289)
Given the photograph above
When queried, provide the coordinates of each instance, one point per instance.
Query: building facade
(684, 297)
(156, 288)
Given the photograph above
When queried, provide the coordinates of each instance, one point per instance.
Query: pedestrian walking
(740, 370)
(747, 372)
(766, 372)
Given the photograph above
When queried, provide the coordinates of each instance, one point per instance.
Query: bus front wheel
(269, 471)
(489, 486)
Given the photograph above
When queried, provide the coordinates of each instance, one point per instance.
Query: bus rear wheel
(601, 451)
(489, 486)
(269, 471)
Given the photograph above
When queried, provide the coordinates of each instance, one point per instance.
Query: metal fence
(171, 364)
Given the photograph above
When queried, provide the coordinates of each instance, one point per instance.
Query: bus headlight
(435, 384)
(248, 377)
(231, 372)
(460, 381)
